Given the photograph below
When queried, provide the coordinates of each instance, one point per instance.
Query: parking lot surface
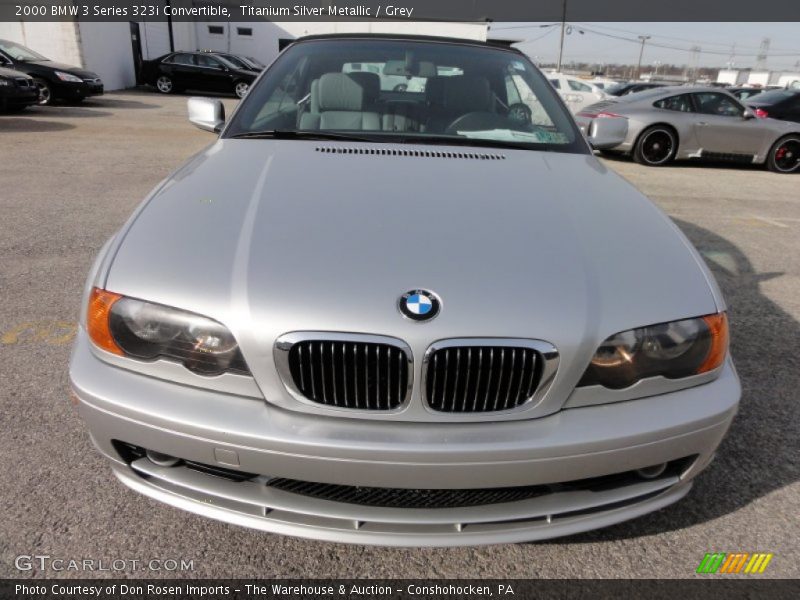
(70, 177)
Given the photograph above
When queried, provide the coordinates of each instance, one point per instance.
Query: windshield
(233, 60)
(617, 87)
(408, 91)
(18, 52)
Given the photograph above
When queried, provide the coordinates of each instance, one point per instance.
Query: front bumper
(18, 96)
(66, 90)
(250, 435)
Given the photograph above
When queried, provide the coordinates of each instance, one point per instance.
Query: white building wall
(105, 47)
(56, 41)
(758, 78)
(263, 44)
(108, 52)
(155, 39)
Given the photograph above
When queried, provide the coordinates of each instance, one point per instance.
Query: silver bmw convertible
(418, 314)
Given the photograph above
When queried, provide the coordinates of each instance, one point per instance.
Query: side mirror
(206, 113)
(748, 114)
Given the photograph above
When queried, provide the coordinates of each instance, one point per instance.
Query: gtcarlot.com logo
(734, 562)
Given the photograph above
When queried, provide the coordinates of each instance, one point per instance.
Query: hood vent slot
(411, 153)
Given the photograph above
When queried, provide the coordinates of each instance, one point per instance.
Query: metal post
(644, 38)
(563, 31)
(169, 28)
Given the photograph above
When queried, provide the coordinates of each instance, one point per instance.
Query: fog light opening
(162, 460)
(652, 472)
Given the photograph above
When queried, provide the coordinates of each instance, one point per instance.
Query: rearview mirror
(748, 114)
(207, 114)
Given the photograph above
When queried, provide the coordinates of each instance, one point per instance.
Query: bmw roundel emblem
(419, 305)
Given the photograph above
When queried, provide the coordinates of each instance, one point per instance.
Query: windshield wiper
(290, 134)
(468, 141)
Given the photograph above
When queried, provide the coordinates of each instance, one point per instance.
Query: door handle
(702, 123)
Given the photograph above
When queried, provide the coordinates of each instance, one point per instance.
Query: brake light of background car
(761, 113)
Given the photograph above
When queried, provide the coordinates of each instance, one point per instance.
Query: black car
(55, 81)
(777, 104)
(631, 87)
(745, 93)
(17, 90)
(201, 71)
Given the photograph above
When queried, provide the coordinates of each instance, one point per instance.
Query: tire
(656, 146)
(165, 84)
(45, 92)
(784, 156)
(240, 88)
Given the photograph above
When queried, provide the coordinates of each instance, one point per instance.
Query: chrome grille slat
(344, 373)
(471, 378)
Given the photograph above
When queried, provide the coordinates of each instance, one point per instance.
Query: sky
(600, 43)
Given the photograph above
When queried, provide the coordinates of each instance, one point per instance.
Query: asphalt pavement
(71, 175)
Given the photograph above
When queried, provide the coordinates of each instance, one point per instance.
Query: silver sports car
(420, 316)
(674, 123)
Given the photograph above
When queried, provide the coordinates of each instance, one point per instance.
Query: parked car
(319, 349)
(201, 71)
(631, 87)
(575, 92)
(603, 82)
(55, 81)
(677, 123)
(777, 104)
(17, 90)
(744, 93)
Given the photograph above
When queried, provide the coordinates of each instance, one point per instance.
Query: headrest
(342, 91)
(370, 82)
(434, 90)
(466, 93)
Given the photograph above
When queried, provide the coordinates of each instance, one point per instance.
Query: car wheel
(165, 85)
(45, 93)
(656, 146)
(241, 88)
(784, 157)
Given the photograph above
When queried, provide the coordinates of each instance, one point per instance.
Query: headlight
(68, 77)
(143, 330)
(4, 81)
(672, 350)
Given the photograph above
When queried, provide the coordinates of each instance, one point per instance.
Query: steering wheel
(476, 121)
(520, 114)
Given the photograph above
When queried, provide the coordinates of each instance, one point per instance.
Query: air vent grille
(411, 153)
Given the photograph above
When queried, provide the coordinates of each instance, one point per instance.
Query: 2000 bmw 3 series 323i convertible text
(399, 301)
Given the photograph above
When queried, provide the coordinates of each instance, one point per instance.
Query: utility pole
(563, 32)
(644, 38)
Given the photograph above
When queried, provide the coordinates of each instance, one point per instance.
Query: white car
(575, 92)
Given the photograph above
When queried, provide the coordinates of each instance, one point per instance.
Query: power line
(680, 39)
(536, 39)
(680, 48)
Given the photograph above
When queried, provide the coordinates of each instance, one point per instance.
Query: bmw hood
(274, 236)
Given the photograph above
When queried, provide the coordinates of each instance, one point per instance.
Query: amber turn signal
(718, 328)
(100, 303)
